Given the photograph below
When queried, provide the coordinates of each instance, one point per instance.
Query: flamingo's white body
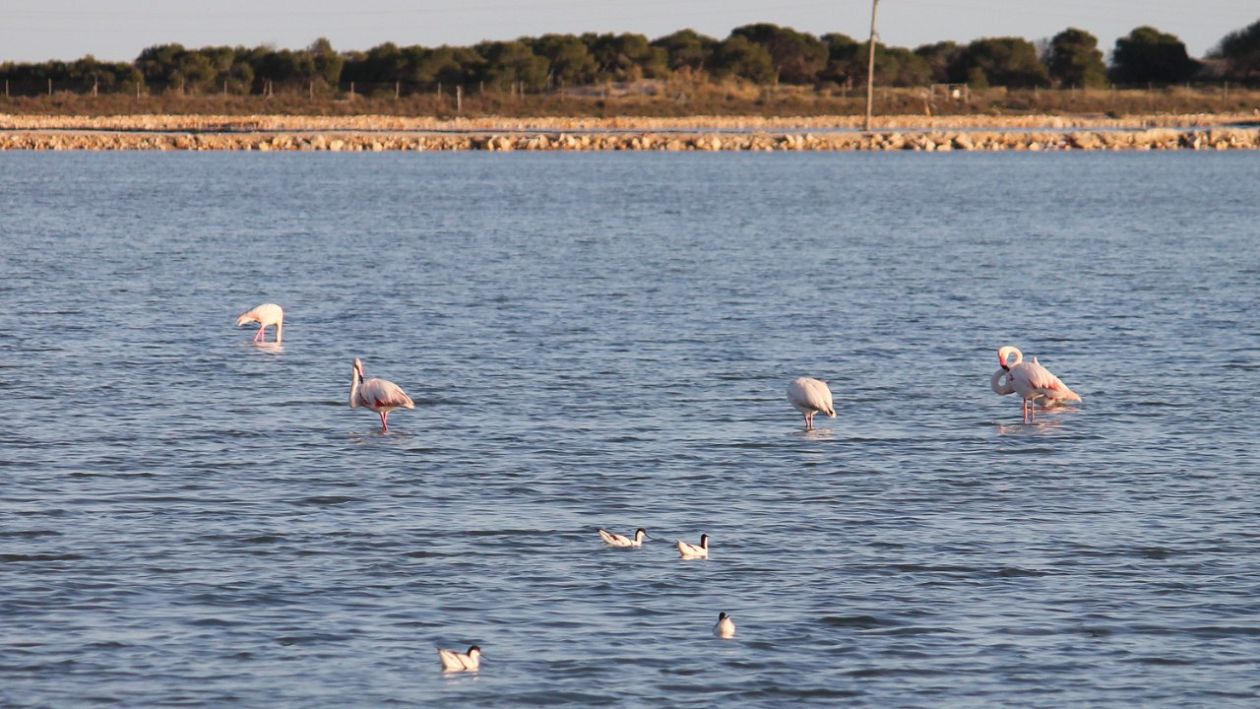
(621, 540)
(811, 396)
(378, 395)
(1034, 383)
(692, 551)
(460, 661)
(725, 627)
(265, 314)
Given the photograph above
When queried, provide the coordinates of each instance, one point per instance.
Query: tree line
(758, 53)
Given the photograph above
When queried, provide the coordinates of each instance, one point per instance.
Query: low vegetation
(667, 98)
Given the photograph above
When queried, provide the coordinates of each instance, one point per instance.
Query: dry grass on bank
(663, 100)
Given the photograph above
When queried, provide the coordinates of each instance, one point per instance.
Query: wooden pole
(459, 98)
(310, 90)
(870, 69)
(351, 89)
(397, 89)
(96, 85)
(50, 87)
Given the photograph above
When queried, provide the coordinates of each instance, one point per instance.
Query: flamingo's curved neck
(1001, 382)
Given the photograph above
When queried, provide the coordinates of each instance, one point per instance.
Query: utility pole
(870, 69)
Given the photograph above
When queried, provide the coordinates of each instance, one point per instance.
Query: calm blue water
(604, 340)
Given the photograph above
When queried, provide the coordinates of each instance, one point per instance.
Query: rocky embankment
(698, 133)
(1155, 139)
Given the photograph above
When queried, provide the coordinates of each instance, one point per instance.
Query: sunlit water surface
(604, 340)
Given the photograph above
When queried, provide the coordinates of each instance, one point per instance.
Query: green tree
(327, 64)
(1147, 55)
(894, 66)
(940, 57)
(1074, 59)
(509, 62)
(736, 56)
(626, 57)
(844, 59)
(898, 66)
(383, 63)
(798, 57)
(1241, 52)
(687, 49)
(453, 65)
(1000, 61)
(158, 64)
(571, 62)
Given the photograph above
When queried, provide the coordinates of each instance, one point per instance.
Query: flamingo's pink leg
(259, 335)
(384, 420)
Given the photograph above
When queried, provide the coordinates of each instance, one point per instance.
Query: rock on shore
(1215, 138)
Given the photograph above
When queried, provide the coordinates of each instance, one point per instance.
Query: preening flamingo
(811, 396)
(378, 395)
(1034, 383)
(265, 314)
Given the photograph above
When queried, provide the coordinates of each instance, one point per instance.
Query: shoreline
(373, 133)
(928, 141)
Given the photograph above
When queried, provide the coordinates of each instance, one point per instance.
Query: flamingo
(460, 661)
(725, 627)
(1033, 382)
(811, 396)
(378, 395)
(265, 314)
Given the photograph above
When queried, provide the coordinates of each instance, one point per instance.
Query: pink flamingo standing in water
(379, 395)
(265, 314)
(1034, 383)
(811, 396)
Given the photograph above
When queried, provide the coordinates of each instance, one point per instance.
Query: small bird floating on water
(460, 661)
(265, 314)
(1034, 383)
(725, 627)
(378, 395)
(811, 396)
(622, 541)
(691, 551)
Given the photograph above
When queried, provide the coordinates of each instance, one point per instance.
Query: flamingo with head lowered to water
(1034, 383)
(811, 396)
(265, 314)
(378, 395)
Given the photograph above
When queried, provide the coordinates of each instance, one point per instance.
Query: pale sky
(116, 30)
